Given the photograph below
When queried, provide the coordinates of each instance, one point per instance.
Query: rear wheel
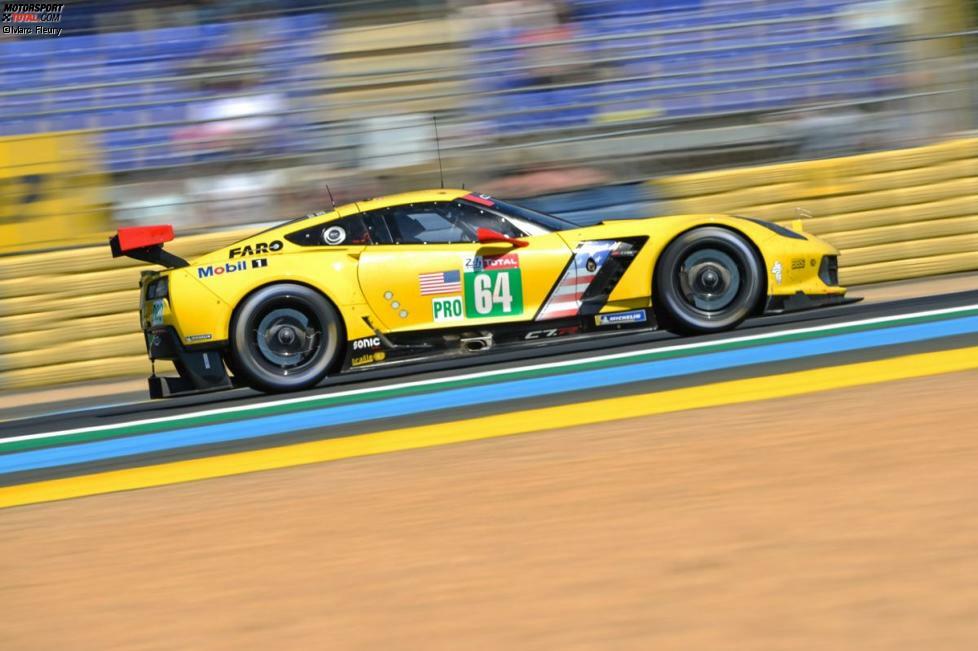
(709, 279)
(285, 338)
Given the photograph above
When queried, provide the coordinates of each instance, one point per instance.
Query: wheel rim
(709, 280)
(288, 339)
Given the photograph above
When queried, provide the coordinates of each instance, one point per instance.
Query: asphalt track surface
(101, 411)
(92, 437)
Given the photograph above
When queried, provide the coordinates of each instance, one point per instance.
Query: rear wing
(146, 243)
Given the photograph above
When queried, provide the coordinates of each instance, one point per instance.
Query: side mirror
(489, 236)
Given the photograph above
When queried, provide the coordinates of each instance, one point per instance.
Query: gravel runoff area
(838, 520)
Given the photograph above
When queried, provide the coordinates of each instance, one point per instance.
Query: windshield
(550, 222)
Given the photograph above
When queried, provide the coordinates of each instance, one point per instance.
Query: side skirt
(390, 350)
(798, 302)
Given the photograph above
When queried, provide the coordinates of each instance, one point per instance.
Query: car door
(435, 275)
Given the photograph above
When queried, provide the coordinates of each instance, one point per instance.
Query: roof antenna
(332, 204)
(441, 172)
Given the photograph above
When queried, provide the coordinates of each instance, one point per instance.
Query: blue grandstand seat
(215, 32)
(33, 48)
(173, 113)
(24, 102)
(681, 107)
(117, 118)
(78, 98)
(113, 140)
(18, 127)
(160, 136)
(69, 122)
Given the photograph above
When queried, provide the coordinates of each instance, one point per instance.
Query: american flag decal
(565, 300)
(440, 282)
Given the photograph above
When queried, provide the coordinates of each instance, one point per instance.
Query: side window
(444, 222)
(355, 230)
(473, 218)
(425, 223)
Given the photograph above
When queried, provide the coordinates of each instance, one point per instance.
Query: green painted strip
(328, 401)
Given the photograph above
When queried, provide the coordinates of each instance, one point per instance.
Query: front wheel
(285, 337)
(708, 279)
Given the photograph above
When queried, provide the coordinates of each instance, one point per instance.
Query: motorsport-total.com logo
(32, 18)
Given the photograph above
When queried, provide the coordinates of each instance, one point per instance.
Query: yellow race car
(449, 273)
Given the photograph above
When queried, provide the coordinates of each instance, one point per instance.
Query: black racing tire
(285, 337)
(708, 279)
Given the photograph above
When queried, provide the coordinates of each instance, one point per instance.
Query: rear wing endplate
(145, 243)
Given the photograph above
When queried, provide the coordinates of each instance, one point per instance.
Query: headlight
(828, 270)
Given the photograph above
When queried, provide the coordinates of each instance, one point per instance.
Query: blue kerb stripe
(468, 396)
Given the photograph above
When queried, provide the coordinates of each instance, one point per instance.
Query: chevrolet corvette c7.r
(442, 273)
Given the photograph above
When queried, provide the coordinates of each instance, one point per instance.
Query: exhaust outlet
(476, 344)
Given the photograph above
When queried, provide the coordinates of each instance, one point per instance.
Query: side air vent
(617, 263)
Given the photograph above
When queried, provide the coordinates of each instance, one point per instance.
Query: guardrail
(893, 215)
(70, 315)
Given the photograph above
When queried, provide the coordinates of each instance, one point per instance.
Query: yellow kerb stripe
(596, 411)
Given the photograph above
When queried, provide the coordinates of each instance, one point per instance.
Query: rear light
(828, 271)
(159, 288)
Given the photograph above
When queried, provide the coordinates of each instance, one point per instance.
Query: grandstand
(151, 96)
(688, 60)
(139, 90)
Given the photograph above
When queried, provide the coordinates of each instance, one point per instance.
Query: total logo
(367, 343)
